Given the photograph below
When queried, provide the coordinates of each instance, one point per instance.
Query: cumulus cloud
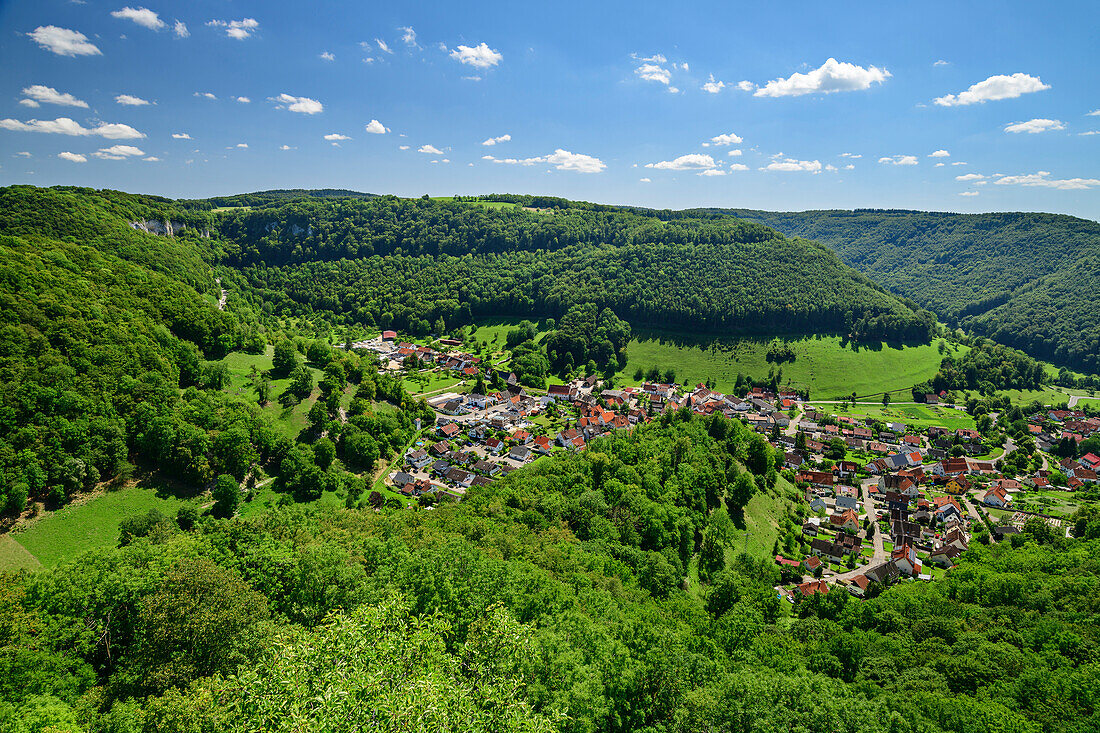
(832, 76)
(151, 159)
(1042, 178)
(48, 95)
(180, 29)
(563, 160)
(970, 193)
(738, 167)
(429, 149)
(689, 162)
(244, 100)
(746, 86)
(118, 152)
(64, 42)
(402, 147)
(970, 177)
(1094, 113)
(129, 100)
(941, 62)
(242, 145)
(408, 35)
(653, 72)
(1039, 124)
(479, 56)
(374, 127)
(285, 147)
(238, 29)
(899, 160)
(851, 155)
(734, 153)
(940, 154)
(995, 87)
(498, 139)
(713, 86)
(728, 138)
(142, 16)
(328, 56)
(711, 172)
(205, 95)
(302, 105)
(73, 157)
(181, 136)
(790, 165)
(67, 126)
(336, 136)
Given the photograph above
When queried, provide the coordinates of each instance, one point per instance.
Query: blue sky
(942, 106)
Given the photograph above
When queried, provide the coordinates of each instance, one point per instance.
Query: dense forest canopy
(551, 600)
(1027, 280)
(400, 263)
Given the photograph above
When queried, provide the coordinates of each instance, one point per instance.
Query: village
(881, 502)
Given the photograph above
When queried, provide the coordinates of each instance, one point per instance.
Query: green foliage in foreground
(548, 601)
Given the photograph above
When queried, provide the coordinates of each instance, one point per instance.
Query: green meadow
(921, 416)
(825, 365)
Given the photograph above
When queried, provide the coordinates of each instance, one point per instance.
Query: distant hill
(267, 198)
(404, 263)
(1026, 280)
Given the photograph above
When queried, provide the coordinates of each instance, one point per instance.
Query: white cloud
(970, 193)
(653, 72)
(564, 160)
(207, 95)
(674, 90)
(727, 138)
(129, 100)
(382, 45)
(713, 86)
(118, 152)
(993, 88)
(830, 167)
(402, 147)
(64, 42)
(181, 136)
(49, 95)
(429, 149)
(180, 29)
(498, 139)
(1039, 124)
(959, 162)
(832, 76)
(746, 86)
(853, 156)
(328, 56)
(479, 56)
(303, 105)
(940, 154)
(408, 35)
(656, 58)
(734, 153)
(151, 159)
(970, 177)
(789, 165)
(244, 100)
(374, 127)
(285, 147)
(899, 160)
(238, 29)
(67, 126)
(941, 62)
(242, 145)
(711, 172)
(141, 16)
(939, 165)
(29, 103)
(849, 167)
(1089, 132)
(336, 136)
(738, 167)
(689, 162)
(471, 78)
(1094, 113)
(644, 180)
(73, 157)
(1041, 179)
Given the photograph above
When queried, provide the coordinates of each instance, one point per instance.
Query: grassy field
(89, 524)
(493, 331)
(486, 204)
(290, 422)
(762, 515)
(824, 365)
(437, 381)
(918, 415)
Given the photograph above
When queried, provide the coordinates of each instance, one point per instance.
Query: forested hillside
(1026, 280)
(398, 263)
(551, 600)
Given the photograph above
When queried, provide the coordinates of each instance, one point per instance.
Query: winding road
(879, 555)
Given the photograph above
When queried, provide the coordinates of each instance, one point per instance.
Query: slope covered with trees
(1026, 280)
(553, 600)
(398, 263)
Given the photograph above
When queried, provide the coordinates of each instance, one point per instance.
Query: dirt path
(224, 295)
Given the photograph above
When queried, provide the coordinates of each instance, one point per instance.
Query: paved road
(879, 556)
(1073, 400)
